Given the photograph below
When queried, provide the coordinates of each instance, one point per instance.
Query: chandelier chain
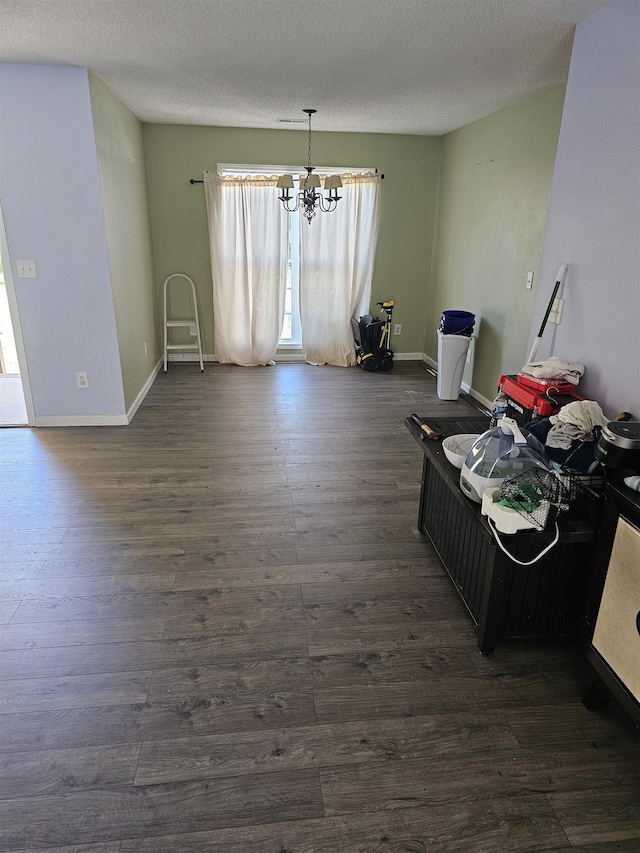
(309, 199)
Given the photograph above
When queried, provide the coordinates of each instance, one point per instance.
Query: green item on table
(525, 497)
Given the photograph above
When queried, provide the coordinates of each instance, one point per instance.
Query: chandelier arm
(285, 203)
(328, 205)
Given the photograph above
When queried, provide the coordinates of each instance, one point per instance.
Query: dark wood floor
(221, 631)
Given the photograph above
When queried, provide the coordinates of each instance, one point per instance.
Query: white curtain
(337, 254)
(248, 240)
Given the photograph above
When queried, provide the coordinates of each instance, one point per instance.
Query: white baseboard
(298, 356)
(464, 385)
(407, 356)
(281, 357)
(476, 395)
(133, 408)
(100, 420)
(190, 357)
(81, 420)
(284, 357)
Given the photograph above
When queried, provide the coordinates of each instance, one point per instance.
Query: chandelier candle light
(308, 198)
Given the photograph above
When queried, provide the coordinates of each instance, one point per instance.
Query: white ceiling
(386, 66)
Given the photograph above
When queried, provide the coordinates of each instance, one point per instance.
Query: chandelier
(308, 198)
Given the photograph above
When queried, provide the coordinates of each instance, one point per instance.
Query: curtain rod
(196, 181)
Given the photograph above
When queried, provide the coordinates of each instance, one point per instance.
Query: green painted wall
(176, 153)
(494, 195)
(121, 161)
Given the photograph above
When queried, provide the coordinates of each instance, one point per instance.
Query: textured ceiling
(386, 66)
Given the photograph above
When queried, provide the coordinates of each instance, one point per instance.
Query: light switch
(26, 269)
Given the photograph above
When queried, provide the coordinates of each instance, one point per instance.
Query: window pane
(286, 328)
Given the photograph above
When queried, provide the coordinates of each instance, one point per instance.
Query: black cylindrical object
(619, 445)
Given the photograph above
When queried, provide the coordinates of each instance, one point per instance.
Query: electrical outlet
(529, 280)
(82, 379)
(192, 329)
(555, 314)
(397, 329)
(26, 269)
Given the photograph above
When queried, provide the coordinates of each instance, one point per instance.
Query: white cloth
(337, 254)
(555, 368)
(248, 240)
(575, 421)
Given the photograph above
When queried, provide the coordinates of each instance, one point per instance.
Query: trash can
(452, 353)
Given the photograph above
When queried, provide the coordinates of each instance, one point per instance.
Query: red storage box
(542, 386)
(524, 404)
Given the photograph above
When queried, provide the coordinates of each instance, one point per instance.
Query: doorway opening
(13, 410)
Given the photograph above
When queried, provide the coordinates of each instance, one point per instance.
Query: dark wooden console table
(505, 600)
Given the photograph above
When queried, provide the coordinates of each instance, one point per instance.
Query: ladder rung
(182, 346)
(181, 322)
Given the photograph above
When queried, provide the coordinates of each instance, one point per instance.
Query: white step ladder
(192, 323)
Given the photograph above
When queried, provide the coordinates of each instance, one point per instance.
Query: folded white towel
(575, 421)
(555, 368)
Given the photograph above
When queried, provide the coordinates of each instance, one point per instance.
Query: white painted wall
(594, 214)
(125, 202)
(52, 207)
